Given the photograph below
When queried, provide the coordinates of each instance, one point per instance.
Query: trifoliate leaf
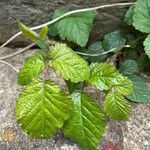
(114, 40)
(116, 106)
(129, 16)
(42, 108)
(68, 64)
(147, 45)
(129, 67)
(104, 76)
(141, 16)
(28, 33)
(31, 68)
(87, 123)
(76, 27)
(43, 32)
(141, 93)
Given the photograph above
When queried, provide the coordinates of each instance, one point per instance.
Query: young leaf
(104, 76)
(114, 40)
(31, 68)
(76, 27)
(28, 33)
(39, 39)
(42, 108)
(129, 67)
(68, 64)
(141, 16)
(129, 16)
(141, 93)
(147, 45)
(43, 32)
(87, 123)
(116, 106)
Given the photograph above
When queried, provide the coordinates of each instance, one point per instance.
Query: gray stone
(136, 131)
(3, 147)
(35, 12)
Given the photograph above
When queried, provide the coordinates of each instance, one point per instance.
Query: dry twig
(6, 63)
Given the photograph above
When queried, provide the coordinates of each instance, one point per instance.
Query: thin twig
(6, 63)
(100, 54)
(18, 52)
(67, 14)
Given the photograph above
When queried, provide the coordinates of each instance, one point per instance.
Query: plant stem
(6, 63)
(100, 54)
(18, 52)
(51, 42)
(68, 14)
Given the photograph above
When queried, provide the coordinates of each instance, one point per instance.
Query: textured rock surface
(131, 135)
(35, 12)
(136, 131)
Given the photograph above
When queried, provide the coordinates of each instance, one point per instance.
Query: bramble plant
(43, 108)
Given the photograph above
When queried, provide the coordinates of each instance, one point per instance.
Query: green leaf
(129, 16)
(52, 31)
(144, 61)
(28, 33)
(147, 45)
(31, 68)
(141, 16)
(104, 76)
(87, 123)
(76, 27)
(129, 67)
(39, 39)
(124, 86)
(43, 32)
(96, 48)
(131, 40)
(141, 93)
(42, 108)
(114, 40)
(117, 107)
(68, 64)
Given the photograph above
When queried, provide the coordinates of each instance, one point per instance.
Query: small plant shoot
(43, 108)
